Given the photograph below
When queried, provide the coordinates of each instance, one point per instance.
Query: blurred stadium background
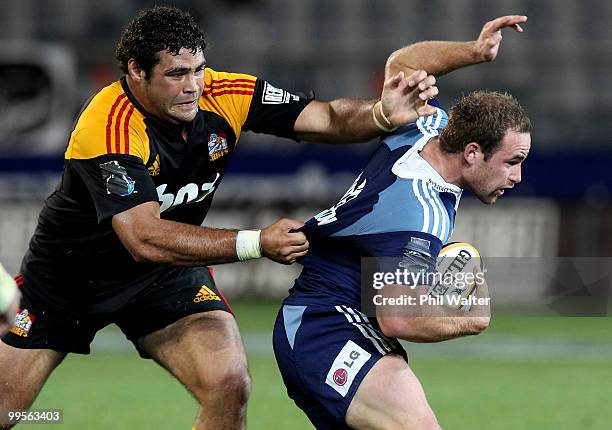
(525, 372)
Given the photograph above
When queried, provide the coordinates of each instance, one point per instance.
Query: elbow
(139, 255)
(393, 60)
(478, 325)
(398, 61)
(139, 251)
(136, 239)
(392, 64)
(410, 329)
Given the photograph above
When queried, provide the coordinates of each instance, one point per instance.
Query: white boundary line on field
(511, 348)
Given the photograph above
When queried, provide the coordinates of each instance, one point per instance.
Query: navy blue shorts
(323, 353)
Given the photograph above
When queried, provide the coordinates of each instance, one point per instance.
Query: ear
(472, 153)
(135, 71)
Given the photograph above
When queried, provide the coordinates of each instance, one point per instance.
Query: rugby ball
(456, 281)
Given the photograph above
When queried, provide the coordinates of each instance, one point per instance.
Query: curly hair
(483, 117)
(160, 28)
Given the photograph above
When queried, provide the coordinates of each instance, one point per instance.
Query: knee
(427, 421)
(235, 384)
(230, 384)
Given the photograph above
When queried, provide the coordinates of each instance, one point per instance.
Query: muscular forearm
(438, 329)
(437, 58)
(428, 323)
(168, 242)
(346, 121)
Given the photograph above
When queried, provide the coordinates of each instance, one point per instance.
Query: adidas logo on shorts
(205, 294)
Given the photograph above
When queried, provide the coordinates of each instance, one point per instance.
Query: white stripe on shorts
(363, 328)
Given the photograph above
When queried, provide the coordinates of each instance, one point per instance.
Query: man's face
(173, 90)
(488, 179)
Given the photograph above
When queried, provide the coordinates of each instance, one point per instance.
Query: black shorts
(176, 293)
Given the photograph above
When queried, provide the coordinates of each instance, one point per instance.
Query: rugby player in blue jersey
(341, 367)
(121, 238)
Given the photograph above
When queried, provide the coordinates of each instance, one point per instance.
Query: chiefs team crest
(217, 146)
(23, 323)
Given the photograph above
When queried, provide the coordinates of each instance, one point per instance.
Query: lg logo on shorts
(190, 193)
(346, 366)
(340, 377)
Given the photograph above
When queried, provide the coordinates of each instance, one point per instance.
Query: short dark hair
(161, 28)
(483, 117)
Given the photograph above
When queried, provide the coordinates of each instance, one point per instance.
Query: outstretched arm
(439, 58)
(349, 120)
(150, 239)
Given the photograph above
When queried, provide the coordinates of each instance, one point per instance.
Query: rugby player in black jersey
(120, 240)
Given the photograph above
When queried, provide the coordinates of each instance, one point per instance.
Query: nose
(515, 174)
(192, 84)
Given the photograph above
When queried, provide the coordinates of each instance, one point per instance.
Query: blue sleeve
(413, 251)
(423, 127)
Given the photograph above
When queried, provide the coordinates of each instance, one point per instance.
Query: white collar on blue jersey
(412, 166)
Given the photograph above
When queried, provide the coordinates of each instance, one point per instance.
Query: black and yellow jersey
(119, 156)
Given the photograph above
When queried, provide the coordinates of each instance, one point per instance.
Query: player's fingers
(482, 289)
(507, 21)
(395, 81)
(416, 77)
(294, 256)
(426, 110)
(429, 93)
(429, 81)
(296, 239)
(299, 247)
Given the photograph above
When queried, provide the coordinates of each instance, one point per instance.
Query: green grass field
(523, 373)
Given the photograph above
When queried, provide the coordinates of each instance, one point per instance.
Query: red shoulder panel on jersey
(126, 130)
(109, 122)
(231, 86)
(126, 102)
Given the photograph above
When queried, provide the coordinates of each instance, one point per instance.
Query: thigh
(203, 351)
(323, 354)
(390, 397)
(179, 293)
(23, 372)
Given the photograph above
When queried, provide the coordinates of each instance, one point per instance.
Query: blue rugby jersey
(398, 206)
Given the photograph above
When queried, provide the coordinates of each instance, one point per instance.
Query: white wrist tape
(8, 289)
(248, 244)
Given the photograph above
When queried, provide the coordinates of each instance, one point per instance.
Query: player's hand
(404, 98)
(8, 317)
(487, 44)
(280, 244)
(482, 312)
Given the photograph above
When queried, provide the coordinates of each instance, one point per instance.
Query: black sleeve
(274, 110)
(116, 183)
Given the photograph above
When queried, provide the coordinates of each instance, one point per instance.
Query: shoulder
(225, 90)
(108, 124)
(228, 95)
